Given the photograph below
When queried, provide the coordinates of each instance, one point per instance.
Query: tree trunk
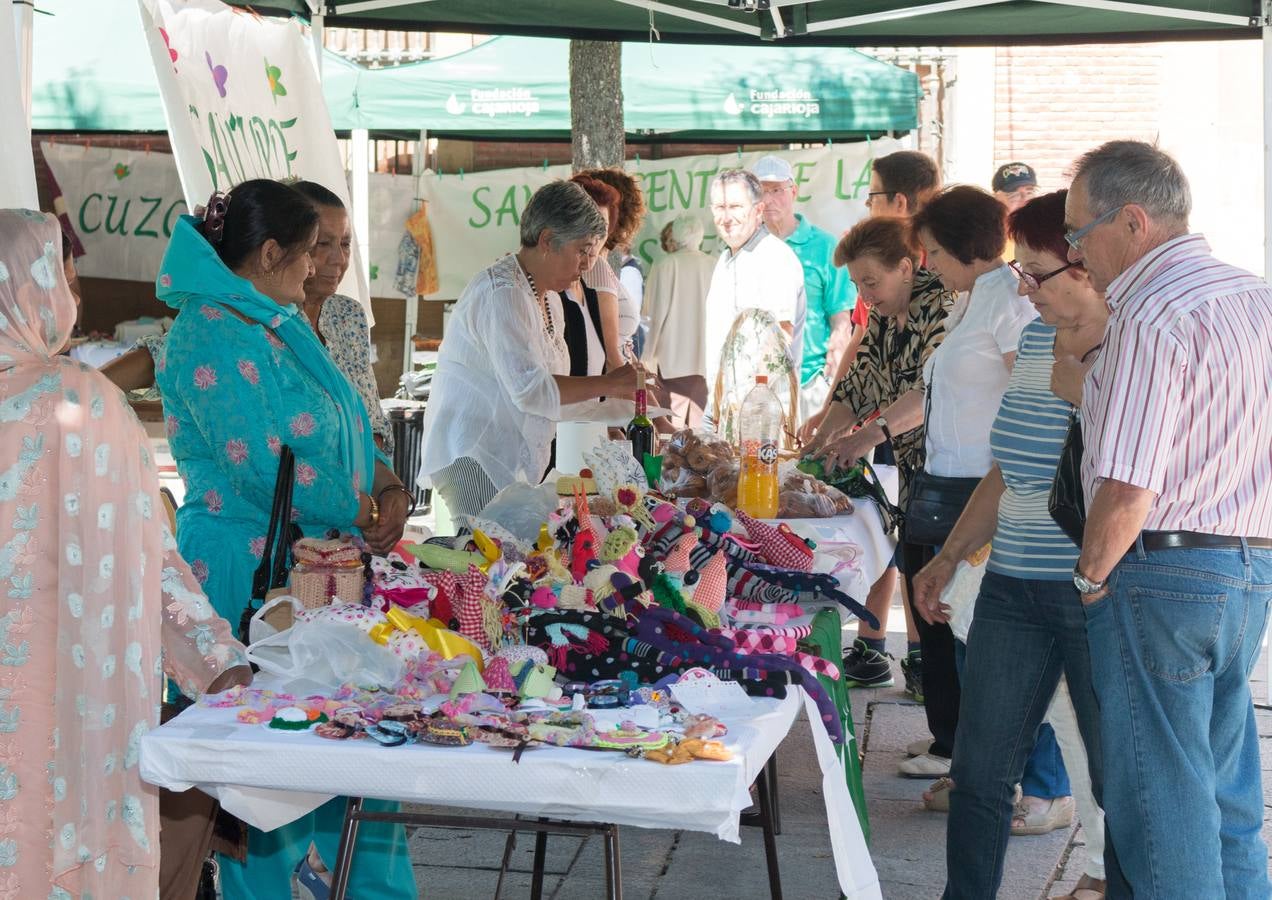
(596, 104)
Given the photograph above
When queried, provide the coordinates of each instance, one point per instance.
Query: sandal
(1027, 820)
(1087, 888)
(937, 796)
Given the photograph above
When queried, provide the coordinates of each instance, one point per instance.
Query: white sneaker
(924, 765)
(919, 747)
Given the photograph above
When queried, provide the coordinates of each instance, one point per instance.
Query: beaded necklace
(549, 322)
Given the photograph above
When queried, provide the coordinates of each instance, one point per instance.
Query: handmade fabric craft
(327, 569)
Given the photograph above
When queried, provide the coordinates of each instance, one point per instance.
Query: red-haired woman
(1029, 627)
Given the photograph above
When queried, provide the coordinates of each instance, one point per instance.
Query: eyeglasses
(1074, 238)
(1031, 281)
(877, 194)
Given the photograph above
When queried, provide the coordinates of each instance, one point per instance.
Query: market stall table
(268, 778)
(857, 540)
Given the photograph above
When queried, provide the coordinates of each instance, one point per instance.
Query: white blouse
(601, 278)
(966, 376)
(493, 397)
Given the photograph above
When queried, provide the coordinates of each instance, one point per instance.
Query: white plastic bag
(520, 509)
(328, 652)
(960, 596)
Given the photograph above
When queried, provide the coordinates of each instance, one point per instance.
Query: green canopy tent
(811, 22)
(846, 23)
(787, 93)
(84, 83)
(92, 72)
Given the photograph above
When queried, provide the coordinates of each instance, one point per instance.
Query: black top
(576, 327)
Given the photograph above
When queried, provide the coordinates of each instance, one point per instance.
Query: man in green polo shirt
(830, 293)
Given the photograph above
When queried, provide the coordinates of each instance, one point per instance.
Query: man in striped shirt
(1176, 566)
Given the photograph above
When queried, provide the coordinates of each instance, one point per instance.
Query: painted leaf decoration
(274, 75)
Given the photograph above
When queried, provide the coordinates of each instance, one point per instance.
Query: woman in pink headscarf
(91, 590)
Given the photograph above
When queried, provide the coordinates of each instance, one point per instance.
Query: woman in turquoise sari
(243, 374)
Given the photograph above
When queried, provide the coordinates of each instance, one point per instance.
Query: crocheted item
(296, 718)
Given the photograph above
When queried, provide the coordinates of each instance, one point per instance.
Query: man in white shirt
(756, 272)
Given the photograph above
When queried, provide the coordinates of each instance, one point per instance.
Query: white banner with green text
(243, 100)
(122, 205)
(475, 217)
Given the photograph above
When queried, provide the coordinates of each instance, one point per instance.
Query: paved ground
(908, 844)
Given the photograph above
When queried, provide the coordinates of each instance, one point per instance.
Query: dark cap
(1013, 175)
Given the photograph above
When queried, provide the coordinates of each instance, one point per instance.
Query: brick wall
(1054, 103)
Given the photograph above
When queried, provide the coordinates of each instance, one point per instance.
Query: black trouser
(941, 692)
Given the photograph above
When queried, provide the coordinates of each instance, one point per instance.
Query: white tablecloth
(248, 767)
(859, 550)
(268, 778)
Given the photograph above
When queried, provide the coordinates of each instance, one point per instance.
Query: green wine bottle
(640, 431)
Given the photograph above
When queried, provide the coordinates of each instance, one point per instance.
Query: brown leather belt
(1183, 540)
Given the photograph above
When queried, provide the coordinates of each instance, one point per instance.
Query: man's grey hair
(686, 231)
(566, 210)
(739, 176)
(1122, 172)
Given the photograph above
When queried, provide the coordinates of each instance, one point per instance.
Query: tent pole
(419, 164)
(1267, 158)
(360, 195)
(23, 26)
(316, 23)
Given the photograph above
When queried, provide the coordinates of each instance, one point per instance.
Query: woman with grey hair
(502, 374)
(675, 306)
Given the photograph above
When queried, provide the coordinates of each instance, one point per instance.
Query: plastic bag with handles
(325, 646)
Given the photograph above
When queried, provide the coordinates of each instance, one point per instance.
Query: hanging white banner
(122, 204)
(476, 217)
(243, 100)
(17, 171)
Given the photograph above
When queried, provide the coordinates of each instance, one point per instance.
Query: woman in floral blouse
(242, 374)
(83, 617)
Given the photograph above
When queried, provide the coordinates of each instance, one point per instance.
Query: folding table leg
(613, 864)
(765, 798)
(540, 860)
(771, 768)
(509, 846)
(344, 856)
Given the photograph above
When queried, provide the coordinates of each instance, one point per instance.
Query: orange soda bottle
(760, 429)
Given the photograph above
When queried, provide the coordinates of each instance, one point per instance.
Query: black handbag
(936, 501)
(1067, 503)
(279, 537)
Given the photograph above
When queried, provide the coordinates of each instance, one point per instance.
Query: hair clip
(214, 216)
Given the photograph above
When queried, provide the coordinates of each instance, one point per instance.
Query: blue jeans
(1024, 635)
(1045, 776)
(1172, 648)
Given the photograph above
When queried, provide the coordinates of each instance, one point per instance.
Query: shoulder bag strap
(263, 576)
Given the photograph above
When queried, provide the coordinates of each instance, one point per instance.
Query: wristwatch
(1086, 585)
(883, 426)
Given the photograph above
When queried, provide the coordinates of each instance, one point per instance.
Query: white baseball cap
(773, 168)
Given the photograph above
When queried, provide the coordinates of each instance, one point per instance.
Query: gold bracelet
(375, 511)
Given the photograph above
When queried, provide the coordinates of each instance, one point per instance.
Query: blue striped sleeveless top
(1026, 439)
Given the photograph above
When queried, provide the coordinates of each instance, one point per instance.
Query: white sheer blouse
(493, 397)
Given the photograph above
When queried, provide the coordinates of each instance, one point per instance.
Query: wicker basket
(327, 570)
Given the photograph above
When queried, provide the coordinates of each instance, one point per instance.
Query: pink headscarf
(84, 570)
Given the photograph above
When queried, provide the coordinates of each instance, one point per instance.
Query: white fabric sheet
(209, 749)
